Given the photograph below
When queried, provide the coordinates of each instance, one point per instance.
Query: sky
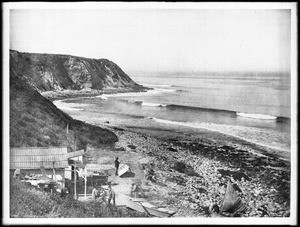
(160, 39)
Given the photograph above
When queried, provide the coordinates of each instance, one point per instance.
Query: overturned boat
(143, 206)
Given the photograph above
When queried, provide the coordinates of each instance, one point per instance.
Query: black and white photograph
(149, 113)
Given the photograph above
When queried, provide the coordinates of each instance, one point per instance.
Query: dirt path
(126, 156)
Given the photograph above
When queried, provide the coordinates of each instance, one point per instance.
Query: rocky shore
(190, 175)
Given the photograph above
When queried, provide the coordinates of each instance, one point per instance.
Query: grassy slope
(36, 121)
(26, 202)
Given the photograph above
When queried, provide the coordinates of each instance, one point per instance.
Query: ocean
(254, 107)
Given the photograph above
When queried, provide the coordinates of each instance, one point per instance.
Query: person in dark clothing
(117, 163)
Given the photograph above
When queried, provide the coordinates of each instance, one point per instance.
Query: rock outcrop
(55, 72)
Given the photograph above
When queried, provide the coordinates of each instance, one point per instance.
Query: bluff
(36, 122)
(56, 72)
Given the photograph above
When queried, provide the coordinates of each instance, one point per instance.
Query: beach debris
(184, 168)
(194, 206)
(171, 149)
(237, 175)
(132, 147)
(176, 179)
(150, 174)
(119, 148)
(232, 203)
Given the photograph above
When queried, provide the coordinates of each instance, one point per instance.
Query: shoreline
(263, 179)
(259, 178)
(280, 151)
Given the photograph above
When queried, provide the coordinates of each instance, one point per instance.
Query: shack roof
(35, 157)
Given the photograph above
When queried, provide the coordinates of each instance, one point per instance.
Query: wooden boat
(134, 203)
(142, 205)
(157, 211)
(123, 168)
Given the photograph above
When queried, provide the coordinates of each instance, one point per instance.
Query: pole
(75, 179)
(54, 174)
(85, 179)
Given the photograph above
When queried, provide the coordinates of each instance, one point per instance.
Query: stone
(194, 206)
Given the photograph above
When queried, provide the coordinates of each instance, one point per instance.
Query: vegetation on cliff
(35, 121)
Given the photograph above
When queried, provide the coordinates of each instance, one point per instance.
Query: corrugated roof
(21, 151)
(35, 157)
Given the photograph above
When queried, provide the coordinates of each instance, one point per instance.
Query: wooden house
(34, 160)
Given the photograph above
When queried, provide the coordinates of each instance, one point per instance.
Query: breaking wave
(145, 103)
(211, 110)
(256, 116)
(60, 104)
(153, 104)
(135, 94)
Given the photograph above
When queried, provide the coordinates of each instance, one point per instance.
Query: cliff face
(53, 72)
(36, 122)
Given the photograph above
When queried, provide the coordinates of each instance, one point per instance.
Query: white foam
(153, 104)
(257, 116)
(135, 94)
(104, 97)
(157, 85)
(250, 134)
(69, 106)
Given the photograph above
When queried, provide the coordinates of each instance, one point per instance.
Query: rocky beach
(190, 174)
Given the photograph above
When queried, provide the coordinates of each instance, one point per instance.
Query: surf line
(190, 124)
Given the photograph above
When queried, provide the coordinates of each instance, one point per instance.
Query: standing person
(117, 163)
(95, 193)
(111, 195)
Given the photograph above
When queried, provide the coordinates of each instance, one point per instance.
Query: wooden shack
(34, 160)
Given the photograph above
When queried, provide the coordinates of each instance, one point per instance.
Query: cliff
(55, 72)
(36, 122)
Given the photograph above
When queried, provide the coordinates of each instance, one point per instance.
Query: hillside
(36, 121)
(55, 72)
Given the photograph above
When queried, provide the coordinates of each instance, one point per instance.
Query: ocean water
(254, 107)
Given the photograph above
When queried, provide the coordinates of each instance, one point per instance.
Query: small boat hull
(158, 212)
(141, 205)
(134, 203)
(123, 168)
